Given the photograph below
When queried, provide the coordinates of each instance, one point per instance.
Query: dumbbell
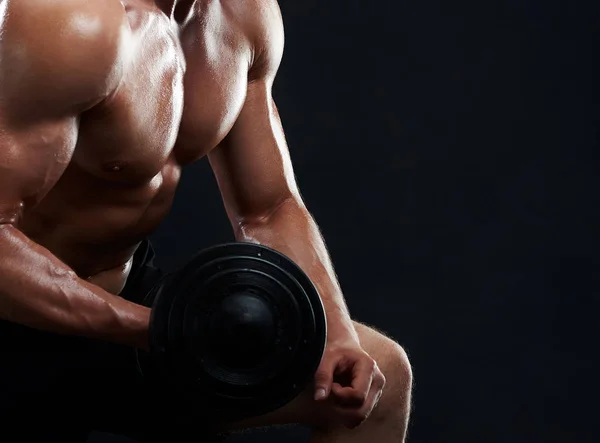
(240, 329)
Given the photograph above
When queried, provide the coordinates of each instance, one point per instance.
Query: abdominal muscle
(95, 226)
(112, 280)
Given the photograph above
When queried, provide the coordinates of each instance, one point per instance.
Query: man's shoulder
(260, 18)
(262, 23)
(69, 42)
(74, 19)
(253, 26)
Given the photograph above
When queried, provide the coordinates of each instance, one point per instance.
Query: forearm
(292, 230)
(39, 291)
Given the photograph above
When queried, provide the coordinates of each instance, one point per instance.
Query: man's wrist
(340, 328)
(138, 325)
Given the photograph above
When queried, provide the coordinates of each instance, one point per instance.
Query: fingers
(355, 395)
(323, 379)
(352, 382)
(353, 417)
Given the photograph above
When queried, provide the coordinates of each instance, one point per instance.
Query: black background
(449, 152)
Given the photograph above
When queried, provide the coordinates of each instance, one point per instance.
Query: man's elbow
(283, 210)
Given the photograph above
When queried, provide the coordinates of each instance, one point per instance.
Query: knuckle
(358, 394)
(381, 380)
(353, 399)
(371, 364)
(361, 397)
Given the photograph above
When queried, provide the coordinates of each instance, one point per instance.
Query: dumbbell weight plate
(280, 337)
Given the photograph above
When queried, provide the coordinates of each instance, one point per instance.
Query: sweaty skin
(93, 137)
(101, 106)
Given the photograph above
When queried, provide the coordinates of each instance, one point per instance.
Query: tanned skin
(101, 105)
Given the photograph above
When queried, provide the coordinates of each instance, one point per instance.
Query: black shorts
(60, 388)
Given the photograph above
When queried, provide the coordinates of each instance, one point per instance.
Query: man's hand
(350, 380)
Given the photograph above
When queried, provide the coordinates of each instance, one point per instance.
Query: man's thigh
(304, 409)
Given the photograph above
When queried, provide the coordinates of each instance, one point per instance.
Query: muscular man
(101, 105)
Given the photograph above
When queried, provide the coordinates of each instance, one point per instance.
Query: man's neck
(169, 6)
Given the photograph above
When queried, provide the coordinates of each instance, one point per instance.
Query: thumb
(324, 378)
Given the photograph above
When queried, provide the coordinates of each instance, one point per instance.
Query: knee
(395, 365)
(399, 367)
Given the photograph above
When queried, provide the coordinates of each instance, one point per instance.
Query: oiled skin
(101, 105)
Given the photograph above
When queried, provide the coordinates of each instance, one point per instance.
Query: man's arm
(255, 175)
(57, 59)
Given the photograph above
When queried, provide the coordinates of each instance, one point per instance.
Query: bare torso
(180, 92)
(102, 103)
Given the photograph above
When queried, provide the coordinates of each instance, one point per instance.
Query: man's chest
(180, 93)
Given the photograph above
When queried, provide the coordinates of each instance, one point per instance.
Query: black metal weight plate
(241, 329)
